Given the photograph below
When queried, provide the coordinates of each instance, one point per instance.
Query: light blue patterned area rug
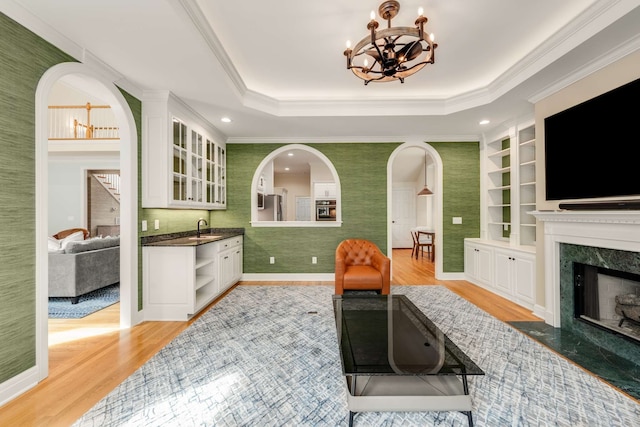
(89, 303)
(268, 356)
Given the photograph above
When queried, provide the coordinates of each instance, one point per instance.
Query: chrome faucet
(201, 220)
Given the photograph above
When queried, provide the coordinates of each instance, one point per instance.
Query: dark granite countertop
(188, 238)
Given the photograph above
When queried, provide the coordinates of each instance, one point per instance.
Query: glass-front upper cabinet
(197, 164)
(221, 187)
(182, 163)
(210, 167)
(180, 155)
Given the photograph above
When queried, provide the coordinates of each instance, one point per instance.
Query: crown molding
(353, 139)
(624, 49)
(594, 19)
(48, 33)
(168, 96)
(196, 16)
(34, 24)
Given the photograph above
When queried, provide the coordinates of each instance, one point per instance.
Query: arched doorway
(435, 186)
(129, 314)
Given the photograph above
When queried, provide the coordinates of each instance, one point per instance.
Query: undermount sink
(207, 237)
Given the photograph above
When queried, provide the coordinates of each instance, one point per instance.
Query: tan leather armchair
(360, 265)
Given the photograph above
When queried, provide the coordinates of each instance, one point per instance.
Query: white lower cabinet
(478, 265)
(230, 261)
(179, 281)
(507, 271)
(515, 276)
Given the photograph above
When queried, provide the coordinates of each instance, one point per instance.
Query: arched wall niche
(311, 180)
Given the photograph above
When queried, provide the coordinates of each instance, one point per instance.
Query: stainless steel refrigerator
(272, 208)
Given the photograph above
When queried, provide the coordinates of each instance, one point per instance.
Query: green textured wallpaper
(461, 188)
(24, 57)
(362, 169)
(172, 220)
(363, 175)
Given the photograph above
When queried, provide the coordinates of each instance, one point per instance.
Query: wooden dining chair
(422, 240)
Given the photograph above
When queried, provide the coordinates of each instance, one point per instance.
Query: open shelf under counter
(204, 262)
(204, 280)
(182, 274)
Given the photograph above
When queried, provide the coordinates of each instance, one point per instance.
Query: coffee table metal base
(407, 393)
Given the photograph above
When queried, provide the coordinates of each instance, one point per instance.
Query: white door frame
(129, 314)
(416, 141)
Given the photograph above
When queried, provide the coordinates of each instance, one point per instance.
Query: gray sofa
(84, 266)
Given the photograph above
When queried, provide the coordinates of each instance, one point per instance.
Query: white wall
(297, 185)
(67, 192)
(424, 204)
(320, 172)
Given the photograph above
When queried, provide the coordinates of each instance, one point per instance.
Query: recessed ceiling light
(286, 169)
(225, 120)
(484, 122)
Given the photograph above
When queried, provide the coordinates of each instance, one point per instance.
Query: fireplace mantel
(606, 217)
(604, 229)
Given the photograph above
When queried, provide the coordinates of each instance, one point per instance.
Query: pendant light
(425, 191)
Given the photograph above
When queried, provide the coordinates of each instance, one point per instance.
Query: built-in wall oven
(325, 210)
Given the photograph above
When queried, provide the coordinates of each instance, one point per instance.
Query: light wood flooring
(89, 357)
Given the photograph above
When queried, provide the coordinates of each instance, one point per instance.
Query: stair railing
(82, 122)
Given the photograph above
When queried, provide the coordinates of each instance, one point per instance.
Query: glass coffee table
(395, 359)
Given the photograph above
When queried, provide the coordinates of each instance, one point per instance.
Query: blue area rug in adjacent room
(61, 308)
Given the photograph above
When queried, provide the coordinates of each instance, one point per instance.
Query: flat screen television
(591, 149)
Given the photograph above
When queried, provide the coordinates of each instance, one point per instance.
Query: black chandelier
(396, 53)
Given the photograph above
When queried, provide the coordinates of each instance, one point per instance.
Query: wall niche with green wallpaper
(362, 169)
(363, 179)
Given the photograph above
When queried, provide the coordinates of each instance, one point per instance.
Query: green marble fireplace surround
(611, 259)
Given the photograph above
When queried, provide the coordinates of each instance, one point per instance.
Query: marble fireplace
(587, 252)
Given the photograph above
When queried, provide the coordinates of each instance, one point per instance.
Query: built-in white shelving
(511, 186)
(527, 185)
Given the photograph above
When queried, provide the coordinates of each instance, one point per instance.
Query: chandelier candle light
(396, 52)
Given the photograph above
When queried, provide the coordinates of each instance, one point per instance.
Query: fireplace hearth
(607, 299)
(604, 239)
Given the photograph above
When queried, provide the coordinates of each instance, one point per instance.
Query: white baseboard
(322, 277)
(452, 276)
(18, 385)
(289, 277)
(542, 313)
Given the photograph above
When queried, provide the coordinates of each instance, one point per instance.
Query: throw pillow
(53, 244)
(75, 237)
